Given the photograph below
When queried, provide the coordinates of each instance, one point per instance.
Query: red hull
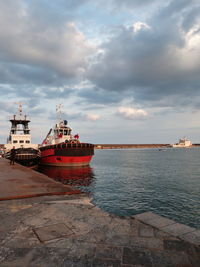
(66, 161)
(67, 155)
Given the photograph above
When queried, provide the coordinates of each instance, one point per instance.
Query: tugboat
(183, 143)
(27, 154)
(61, 148)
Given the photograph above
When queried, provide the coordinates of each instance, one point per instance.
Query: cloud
(8, 107)
(38, 48)
(75, 116)
(137, 26)
(132, 113)
(157, 63)
(98, 96)
(93, 117)
(133, 3)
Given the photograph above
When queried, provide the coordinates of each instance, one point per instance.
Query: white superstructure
(183, 142)
(61, 131)
(19, 136)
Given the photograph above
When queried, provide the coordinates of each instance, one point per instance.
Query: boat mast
(20, 123)
(59, 112)
(20, 108)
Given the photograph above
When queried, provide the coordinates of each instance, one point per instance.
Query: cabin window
(21, 141)
(65, 132)
(27, 141)
(15, 141)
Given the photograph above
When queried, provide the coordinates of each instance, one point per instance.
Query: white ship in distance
(183, 142)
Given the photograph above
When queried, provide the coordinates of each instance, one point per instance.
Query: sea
(127, 182)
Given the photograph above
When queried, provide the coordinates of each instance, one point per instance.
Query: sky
(125, 71)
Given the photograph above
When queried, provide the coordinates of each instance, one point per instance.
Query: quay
(20, 182)
(47, 224)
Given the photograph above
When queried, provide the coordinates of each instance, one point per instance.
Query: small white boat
(183, 142)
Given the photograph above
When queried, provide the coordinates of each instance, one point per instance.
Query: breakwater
(128, 146)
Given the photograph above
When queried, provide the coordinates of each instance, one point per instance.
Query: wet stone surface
(67, 231)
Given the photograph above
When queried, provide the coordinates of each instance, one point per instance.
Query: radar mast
(20, 110)
(59, 112)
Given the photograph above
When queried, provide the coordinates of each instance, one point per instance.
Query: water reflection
(76, 176)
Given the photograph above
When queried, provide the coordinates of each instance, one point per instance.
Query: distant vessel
(20, 138)
(61, 148)
(183, 142)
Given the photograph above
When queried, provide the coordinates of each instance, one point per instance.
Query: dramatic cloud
(132, 113)
(32, 50)
(156, 59)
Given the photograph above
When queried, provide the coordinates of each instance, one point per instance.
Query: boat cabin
(61, 133)
(19, 136)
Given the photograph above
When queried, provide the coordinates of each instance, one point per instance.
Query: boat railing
(67, 145)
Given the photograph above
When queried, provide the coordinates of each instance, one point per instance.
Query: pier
(48, 224)
(20, 182)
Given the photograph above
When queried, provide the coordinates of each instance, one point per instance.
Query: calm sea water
(128, 182)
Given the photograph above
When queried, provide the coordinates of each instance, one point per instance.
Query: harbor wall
(128, 146)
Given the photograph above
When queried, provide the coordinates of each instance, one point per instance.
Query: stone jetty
(43, 229)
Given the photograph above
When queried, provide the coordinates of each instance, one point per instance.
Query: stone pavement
(62, 231)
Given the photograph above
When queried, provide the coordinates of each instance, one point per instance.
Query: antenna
(19, 107)
(59, 112)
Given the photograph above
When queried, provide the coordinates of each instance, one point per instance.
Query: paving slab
(146, 216)
(137, 257)
(146, 230)
(178, 229)
(108, 252)
(165, 227)
(193, 237)
(147, 243)
(51, 232)
(154, 219)
(21, 182)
